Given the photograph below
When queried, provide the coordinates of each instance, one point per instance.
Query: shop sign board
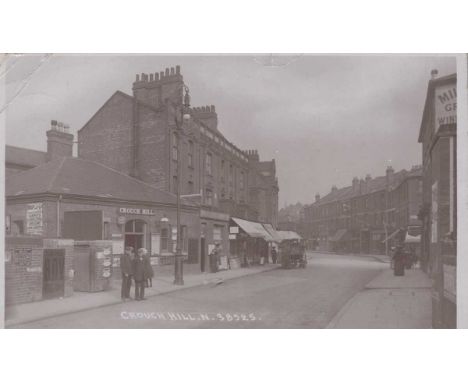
(136, 211)
(34, 219)
(446, 104)
(234, 229)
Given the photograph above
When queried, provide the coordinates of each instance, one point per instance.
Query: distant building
(438, 136)
(365, 216)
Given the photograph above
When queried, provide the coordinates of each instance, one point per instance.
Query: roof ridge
(25, 148)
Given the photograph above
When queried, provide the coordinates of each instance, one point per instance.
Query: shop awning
(269, 228)
(288, 235)
(392, 235)
(339, 235)
(409, 239)
(253, 229)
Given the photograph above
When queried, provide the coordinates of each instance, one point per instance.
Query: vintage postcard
(230, 191)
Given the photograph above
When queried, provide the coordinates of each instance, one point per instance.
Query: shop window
(164, 239)
(217, 233)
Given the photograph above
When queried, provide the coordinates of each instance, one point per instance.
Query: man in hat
(139, 274)
(127, 270)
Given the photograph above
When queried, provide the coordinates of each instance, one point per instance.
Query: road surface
(294, 298)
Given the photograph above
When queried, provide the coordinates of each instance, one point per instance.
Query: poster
(34, 219)
(118, 247)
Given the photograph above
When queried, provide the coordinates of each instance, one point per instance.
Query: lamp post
(178, 260)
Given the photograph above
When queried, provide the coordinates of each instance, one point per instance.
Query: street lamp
(184, 116)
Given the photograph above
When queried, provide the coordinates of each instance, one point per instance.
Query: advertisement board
(34, 219)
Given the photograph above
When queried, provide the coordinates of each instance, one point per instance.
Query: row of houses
(365, 216)
(134, 156)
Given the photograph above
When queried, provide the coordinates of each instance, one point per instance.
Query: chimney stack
(334, 189)
(355, 184)
(434, 73)
(317, 197)
(59, 141)
(389, 174)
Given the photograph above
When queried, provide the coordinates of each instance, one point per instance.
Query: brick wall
(23, 270)
(107, 137)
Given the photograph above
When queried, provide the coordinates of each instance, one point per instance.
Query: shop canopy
(339, 235)
(273, 233)
(288, 235)
(253, 229)
(410, 239)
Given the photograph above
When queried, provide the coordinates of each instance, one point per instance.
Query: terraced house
(366, 216)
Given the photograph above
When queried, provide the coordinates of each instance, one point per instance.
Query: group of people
(137, 267)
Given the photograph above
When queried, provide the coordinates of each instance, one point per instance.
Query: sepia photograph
(230, 191)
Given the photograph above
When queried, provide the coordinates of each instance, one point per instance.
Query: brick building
(438, 136)
(364, 216)
(137, 135)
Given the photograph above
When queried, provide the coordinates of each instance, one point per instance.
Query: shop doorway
(135, 234)
(53, 284)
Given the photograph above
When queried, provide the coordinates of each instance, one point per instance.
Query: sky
(324, 119)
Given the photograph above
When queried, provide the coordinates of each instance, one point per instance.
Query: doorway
(135, 234)
(53, 284)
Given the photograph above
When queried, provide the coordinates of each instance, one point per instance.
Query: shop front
(249, 242)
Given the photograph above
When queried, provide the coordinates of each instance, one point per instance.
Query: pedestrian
(274, 255)
(127, 270)
(139, 274)
(214, 259)
(149, 273)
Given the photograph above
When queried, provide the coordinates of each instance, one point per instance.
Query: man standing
(139, 275)
(126, 269)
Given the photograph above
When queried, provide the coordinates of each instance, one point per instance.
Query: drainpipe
(58, 215)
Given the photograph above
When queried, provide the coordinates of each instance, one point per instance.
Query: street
(294, 298)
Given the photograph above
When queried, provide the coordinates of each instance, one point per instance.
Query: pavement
(162, 284)
(389, 302)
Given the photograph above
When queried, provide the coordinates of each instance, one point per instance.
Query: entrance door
(53, 285)
(135, 231)
(202, 254)
(134, 241)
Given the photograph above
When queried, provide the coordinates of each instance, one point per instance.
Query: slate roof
(24, 157)
(76, 176)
